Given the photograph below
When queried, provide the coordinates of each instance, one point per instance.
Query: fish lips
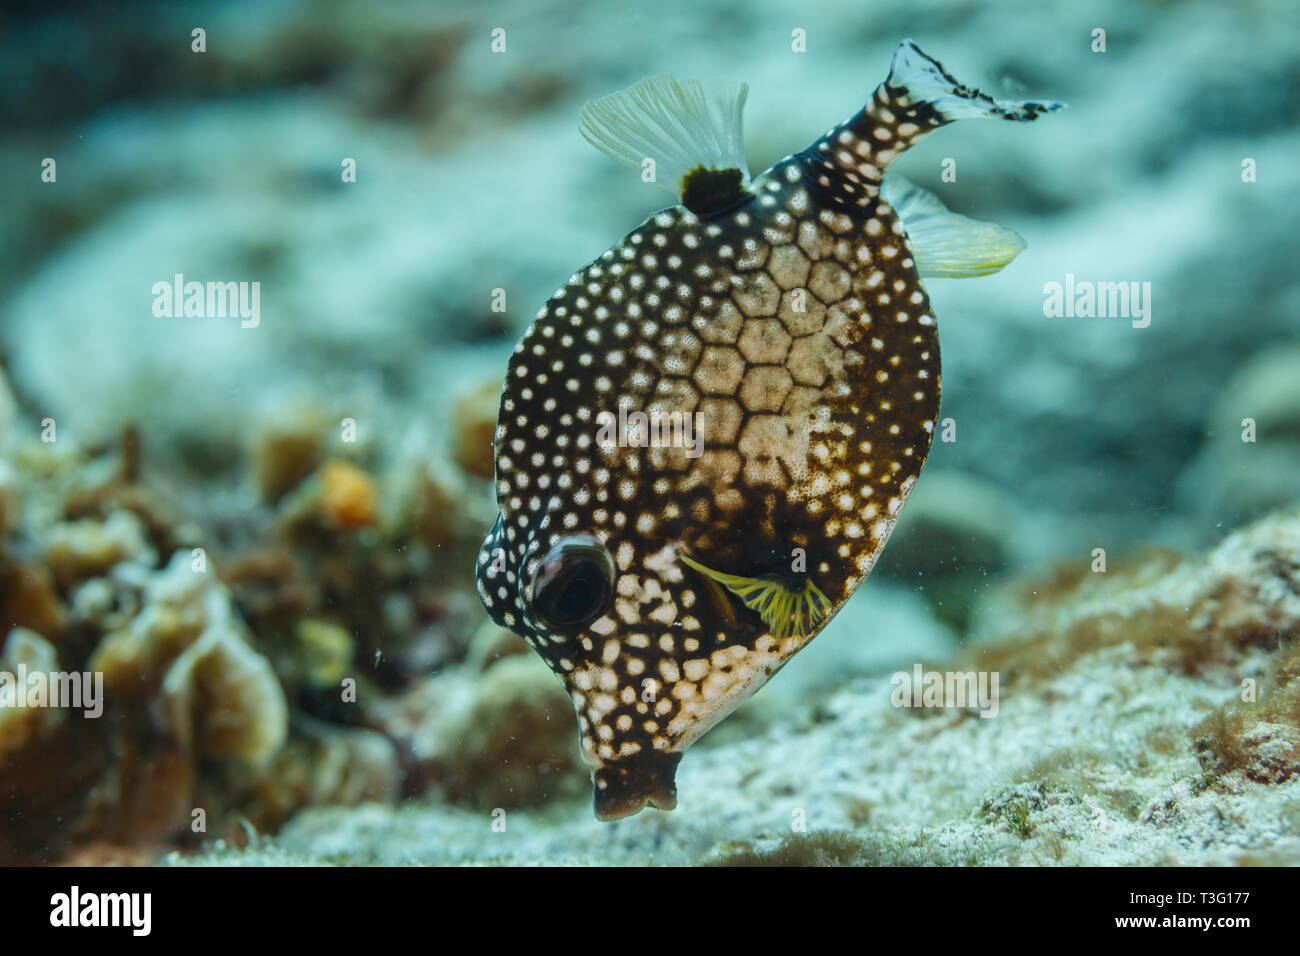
(625, 787)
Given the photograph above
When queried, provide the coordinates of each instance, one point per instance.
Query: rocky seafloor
(234, 525)
(1122, 737)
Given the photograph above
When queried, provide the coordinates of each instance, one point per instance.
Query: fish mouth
(625, 788)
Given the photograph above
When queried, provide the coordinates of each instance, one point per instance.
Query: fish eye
(573, 584)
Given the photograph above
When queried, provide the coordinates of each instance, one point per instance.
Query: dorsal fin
(686, 126)
(945, 243)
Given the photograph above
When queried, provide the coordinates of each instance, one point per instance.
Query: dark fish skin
(814, 422)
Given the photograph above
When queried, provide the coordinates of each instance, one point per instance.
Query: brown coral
(28, 599)
(475, 420)
(286, 452)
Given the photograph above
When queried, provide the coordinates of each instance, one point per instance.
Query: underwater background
(262, 533)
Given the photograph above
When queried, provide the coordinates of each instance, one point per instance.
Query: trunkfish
(778, 321)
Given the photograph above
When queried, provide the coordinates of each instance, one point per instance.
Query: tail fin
(918, 80)
(917, 97)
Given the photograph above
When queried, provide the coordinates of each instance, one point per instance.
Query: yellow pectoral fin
(786, 613)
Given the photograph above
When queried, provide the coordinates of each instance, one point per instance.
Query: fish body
(707, 434)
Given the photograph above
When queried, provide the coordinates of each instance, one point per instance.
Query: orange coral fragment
(348, 496)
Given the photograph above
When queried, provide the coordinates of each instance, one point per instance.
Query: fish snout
(624, 787)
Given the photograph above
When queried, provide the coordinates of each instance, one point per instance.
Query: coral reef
(246, 655)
